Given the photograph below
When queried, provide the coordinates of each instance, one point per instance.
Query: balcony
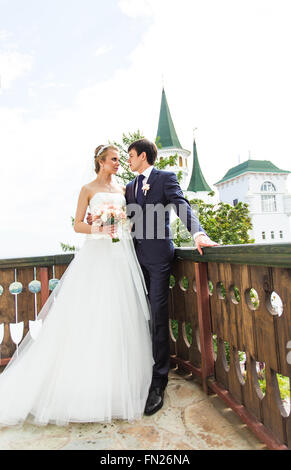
(229, 386)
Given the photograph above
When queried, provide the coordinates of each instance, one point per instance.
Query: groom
(155, 250)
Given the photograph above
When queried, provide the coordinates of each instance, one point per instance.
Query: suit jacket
(151, 231)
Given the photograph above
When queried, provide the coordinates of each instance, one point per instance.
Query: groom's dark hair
(144, 145)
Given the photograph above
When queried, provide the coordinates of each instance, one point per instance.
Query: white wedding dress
(92, 360)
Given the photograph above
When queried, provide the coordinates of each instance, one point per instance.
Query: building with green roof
(251, 166)
(262, 185)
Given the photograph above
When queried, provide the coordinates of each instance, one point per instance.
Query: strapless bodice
(101, 200)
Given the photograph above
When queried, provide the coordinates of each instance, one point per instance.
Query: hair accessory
(101, 150)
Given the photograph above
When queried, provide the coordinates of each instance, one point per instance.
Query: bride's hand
(104, 229)
(89, 219)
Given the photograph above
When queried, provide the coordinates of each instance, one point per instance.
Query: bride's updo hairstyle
(101, 154)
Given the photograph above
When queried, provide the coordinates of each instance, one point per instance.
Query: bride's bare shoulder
(92, 186)
(87, 190)
(119, 188)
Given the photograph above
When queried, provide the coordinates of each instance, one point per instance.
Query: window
(264, 235)
(272, 235)
(268, 200)
(180, 161)
(268, 187)
(281, 233)
(268, 203)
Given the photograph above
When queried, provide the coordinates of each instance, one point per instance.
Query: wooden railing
(221, 301)
(20, 309)
(226, 298)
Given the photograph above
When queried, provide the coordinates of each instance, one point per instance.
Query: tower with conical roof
(197, 187)
(168, 139)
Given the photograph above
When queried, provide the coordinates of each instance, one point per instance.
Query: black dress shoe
(155, 401)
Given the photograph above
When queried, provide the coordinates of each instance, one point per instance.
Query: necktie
(139, 194)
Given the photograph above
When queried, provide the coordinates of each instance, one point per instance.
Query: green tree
(65, 246)
(126, 175)
(224, 224)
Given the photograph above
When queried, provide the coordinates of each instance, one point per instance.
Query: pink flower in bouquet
(109, 215)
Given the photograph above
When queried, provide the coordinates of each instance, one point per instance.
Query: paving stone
(189, 420)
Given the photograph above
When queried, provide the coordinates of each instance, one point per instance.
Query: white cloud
(5, 35)
(136, 8)
(13, 63)
(102, 50)
(54, 84)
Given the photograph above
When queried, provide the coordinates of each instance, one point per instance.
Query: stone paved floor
(189, 420)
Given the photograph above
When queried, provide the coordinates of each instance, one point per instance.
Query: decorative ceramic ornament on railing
(16, 333)
(34, 328)
(288, 357)
(34, 325)
(1, 332)
(1, 337)
(34, 287)
(1, 290)
(15, 288)
(53, 283)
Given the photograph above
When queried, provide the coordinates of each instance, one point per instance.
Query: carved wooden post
(206, 345)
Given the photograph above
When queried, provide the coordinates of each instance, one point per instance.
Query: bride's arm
(79, 225)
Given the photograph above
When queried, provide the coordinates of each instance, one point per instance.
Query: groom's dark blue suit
(155, 254)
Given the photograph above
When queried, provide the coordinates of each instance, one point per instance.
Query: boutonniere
(145, 188)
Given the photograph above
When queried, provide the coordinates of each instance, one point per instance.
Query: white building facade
(182, 161)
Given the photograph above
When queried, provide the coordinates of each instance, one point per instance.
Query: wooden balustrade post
(206, 345)
(44, 280)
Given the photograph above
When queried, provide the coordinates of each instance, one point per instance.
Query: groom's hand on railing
(203, 240)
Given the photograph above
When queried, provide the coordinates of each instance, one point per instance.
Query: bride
(92, 360)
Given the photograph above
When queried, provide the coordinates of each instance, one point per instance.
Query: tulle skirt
(92, 360)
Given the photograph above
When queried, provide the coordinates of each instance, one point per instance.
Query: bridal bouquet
(109, 215)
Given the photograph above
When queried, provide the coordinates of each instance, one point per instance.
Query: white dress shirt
(147, 173)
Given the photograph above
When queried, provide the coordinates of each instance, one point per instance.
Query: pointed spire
(166, 131)
(197, 181)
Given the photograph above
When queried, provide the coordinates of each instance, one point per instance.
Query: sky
(77, 74)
